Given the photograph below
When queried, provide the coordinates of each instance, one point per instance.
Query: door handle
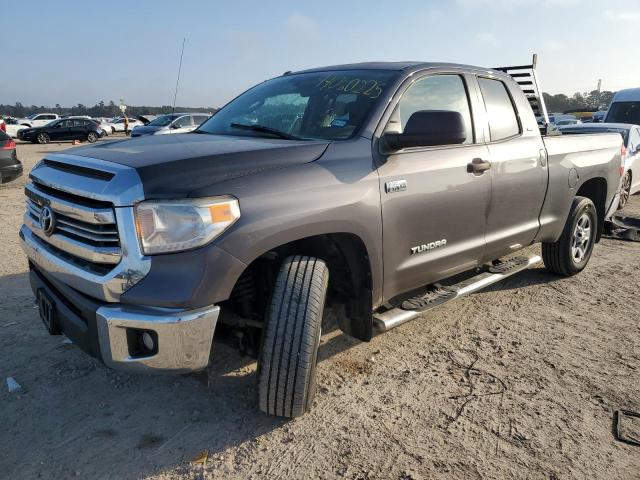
(478, 165)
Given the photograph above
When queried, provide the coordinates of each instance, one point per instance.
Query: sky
(74, 52)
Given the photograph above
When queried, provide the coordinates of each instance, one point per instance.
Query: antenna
(175, 95)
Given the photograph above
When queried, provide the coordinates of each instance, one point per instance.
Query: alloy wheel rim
(581, 238)
(624, 192)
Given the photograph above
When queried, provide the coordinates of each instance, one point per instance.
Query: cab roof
(397, 66)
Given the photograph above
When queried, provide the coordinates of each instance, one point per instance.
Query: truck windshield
(624, 112)
(330, 105)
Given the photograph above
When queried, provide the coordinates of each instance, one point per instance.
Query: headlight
(176, 225)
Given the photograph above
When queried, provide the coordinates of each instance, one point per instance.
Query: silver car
(171, 123)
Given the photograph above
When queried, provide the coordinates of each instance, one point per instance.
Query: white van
(625, 107)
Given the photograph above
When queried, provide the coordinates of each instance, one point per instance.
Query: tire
(92, 137)
(625, 190)
(42, 138)
(571, 253)
(289, 351)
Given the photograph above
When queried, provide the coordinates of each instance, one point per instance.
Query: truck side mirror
(428, 128)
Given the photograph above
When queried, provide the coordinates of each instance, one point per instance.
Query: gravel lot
(518, 381)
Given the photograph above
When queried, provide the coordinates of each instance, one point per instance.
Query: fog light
(148, 342)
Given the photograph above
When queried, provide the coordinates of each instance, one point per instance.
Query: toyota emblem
(47, 220)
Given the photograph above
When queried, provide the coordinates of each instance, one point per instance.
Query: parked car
(625, 107)
(369, 186)
(117, 124)
(598, 117)
(11, 127)
(171, 123)
(559, 119)
(630, 183)
(567, 121)
(10, 166)
(38, 119)
(63, 129)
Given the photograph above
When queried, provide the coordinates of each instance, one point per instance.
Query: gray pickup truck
(383, 188)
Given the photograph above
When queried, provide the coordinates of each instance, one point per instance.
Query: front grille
(83, 232)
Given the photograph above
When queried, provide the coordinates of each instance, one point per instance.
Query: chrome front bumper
(183, 337)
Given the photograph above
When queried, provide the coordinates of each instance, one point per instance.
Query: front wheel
(92, 137)
(43, 138)
(571, 253)
(625, 190)
(289, 351)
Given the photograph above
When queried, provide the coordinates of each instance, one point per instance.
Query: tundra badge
(395, 186)
(428, 246)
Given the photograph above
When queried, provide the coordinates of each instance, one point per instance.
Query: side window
(183, 122)
(199, 119)
(503, 121)
(437, 92)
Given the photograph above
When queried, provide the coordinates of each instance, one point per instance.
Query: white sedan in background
(12, 127)
(630, 181)
(117, 124)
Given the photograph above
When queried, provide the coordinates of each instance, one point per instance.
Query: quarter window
(437, 92)
(503, 121)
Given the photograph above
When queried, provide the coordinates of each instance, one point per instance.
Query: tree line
(100, 109)
(586, 101)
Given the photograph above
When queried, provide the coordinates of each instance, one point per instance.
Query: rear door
(433, 209)
(518, 168)
(77, 129)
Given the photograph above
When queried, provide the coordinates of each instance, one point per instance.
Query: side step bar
(385, 321)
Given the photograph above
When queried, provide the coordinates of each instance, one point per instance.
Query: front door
(433, 209)
(60, 130)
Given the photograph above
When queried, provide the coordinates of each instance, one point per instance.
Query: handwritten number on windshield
(368, 88)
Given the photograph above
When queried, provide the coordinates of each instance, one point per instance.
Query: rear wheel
(92, 137)
(625, 190)
(43, 138)
(571, 253)
(289, 352)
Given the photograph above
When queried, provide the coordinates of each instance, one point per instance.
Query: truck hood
(176, 165)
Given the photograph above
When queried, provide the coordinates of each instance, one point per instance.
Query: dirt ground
(517, 381)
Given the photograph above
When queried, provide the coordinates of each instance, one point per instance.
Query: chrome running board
(389, 319)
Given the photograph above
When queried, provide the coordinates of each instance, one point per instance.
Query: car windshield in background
(624, 112)
(163, 120)
(331, 105)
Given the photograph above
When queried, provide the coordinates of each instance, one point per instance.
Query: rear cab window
(501, 113)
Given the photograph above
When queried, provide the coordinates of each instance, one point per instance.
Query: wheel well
(596, 190)
(350, 280)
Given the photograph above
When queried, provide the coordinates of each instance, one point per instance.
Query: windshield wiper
(263, 129)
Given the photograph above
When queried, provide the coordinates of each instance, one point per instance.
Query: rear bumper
(111, 332)
(10, 172)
